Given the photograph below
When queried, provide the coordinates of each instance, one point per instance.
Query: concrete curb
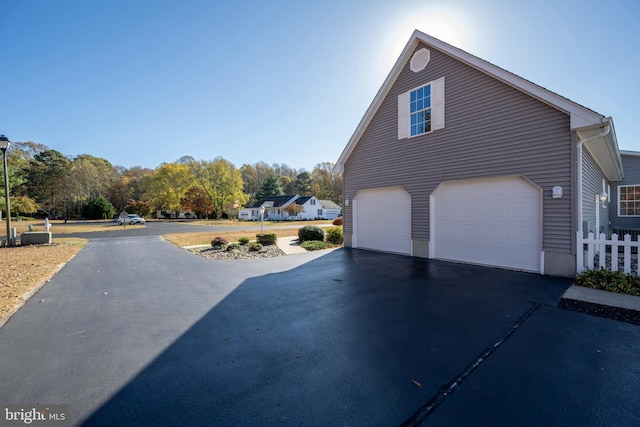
(597, 296)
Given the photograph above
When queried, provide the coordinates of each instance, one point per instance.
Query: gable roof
(302, 200)
(328, 204)
(278, 201)
(580, 117)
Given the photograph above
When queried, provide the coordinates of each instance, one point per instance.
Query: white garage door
(493, 221)
(382, 220)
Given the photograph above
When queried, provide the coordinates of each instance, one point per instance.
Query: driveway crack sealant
(448, 389)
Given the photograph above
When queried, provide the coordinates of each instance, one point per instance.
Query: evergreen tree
(270, 187)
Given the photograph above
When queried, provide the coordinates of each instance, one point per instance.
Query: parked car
(55, 216)
(131, 219)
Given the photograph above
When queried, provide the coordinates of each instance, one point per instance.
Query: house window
(420, 110)
(629, 200)
(319, 212)
(312, 202)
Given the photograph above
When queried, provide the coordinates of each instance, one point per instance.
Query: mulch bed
(242, 252)
(616, 313)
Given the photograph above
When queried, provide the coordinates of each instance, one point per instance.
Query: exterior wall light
(603, 198)
(556, 192)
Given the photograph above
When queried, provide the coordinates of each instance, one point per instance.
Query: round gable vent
(420, 59)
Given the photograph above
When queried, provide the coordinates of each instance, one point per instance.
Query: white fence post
(614, 252)
(580, 254)
(599, 245)
(627, 254)
(590, 250)
(602, 251)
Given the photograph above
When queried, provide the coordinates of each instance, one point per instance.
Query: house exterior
(477, 165)
(624, 199)
(330, 210)
(310, 206)
(273, 208)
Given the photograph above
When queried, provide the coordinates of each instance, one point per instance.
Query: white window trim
(437, 109)
(619, 212)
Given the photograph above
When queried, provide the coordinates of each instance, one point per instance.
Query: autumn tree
(128, 185)
(168, 184)
(326, 184)
(139, 207)
(196, 200)
(303, 183)
(293, 209)
(88, 178)
(23, 204)
(46, 176)
(16, 172)
(250, 182)
(222, 183)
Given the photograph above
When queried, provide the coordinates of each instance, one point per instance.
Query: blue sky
(142, 82)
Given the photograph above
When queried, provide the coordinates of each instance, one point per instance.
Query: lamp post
(4, 144)
(262, 219)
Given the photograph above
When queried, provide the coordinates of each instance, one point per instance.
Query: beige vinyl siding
(631, 165)
(592, 178)
(491, 129)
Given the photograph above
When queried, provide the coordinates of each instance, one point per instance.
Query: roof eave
(604, 149)
(377, 100)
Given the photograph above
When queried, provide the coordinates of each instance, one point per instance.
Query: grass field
(24, 269)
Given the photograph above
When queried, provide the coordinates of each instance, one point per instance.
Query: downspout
(579, 249)
(605, 132)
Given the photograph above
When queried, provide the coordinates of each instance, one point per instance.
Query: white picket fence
(597, 247)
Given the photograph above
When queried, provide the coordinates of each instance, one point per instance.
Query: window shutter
(403, 115)
(437, 104)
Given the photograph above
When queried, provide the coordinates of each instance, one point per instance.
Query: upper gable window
(421, 110)
(419, 60)
(629, 200)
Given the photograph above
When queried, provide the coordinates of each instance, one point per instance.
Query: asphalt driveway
(135, 331)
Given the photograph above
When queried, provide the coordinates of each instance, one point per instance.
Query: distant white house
(312, 208)
(330, 210)
(273, 208)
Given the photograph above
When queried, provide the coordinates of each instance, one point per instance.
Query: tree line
(45, 181)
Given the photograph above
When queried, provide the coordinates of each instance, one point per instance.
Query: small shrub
(218, 242)
(310, 233)
(255, 247)
(612, 281)
(337, 221)
(232, 246)
(314, 245)
(334, 236)
(267, 239)
(243, 240)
